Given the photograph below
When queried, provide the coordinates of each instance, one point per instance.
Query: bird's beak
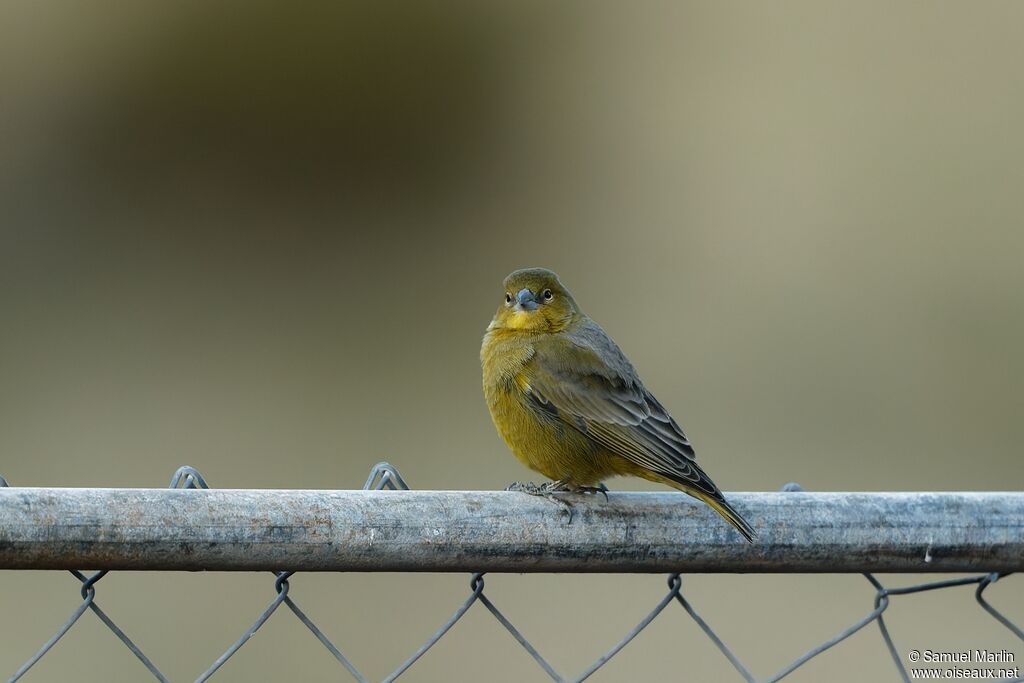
(526, 301)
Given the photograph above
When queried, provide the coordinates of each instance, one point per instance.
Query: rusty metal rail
(486, 531)
(205, 529)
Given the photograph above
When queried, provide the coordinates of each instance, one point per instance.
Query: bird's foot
(566, 486)
(600, 488)
(546, 491)
(525, 487)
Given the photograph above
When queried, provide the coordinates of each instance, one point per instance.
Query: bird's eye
(508, 298)
(548, 296)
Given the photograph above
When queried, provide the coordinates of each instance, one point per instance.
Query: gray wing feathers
(597, 389)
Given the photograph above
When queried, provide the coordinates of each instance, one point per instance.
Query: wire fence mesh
(385, 476)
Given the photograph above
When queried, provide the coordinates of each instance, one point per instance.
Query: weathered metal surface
(224, 529)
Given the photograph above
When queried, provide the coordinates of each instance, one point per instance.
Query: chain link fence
(384, 476)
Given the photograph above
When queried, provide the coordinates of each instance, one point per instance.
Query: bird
(570, 405)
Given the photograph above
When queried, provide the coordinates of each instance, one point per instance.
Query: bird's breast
(538, 437)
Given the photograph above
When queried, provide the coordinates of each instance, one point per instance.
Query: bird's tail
(708, 493)
(723, 508)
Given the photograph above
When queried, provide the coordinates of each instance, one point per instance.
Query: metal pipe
(441, 531)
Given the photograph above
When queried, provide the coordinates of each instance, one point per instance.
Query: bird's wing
(590, 384)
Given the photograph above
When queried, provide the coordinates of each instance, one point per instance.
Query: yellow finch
(570, 405)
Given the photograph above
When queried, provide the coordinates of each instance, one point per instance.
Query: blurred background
(266, 241)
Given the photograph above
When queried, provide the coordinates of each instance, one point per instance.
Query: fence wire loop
(187, 477)
(88, 581)
(385, 476)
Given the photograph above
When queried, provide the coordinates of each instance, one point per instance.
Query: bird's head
(534, 301)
